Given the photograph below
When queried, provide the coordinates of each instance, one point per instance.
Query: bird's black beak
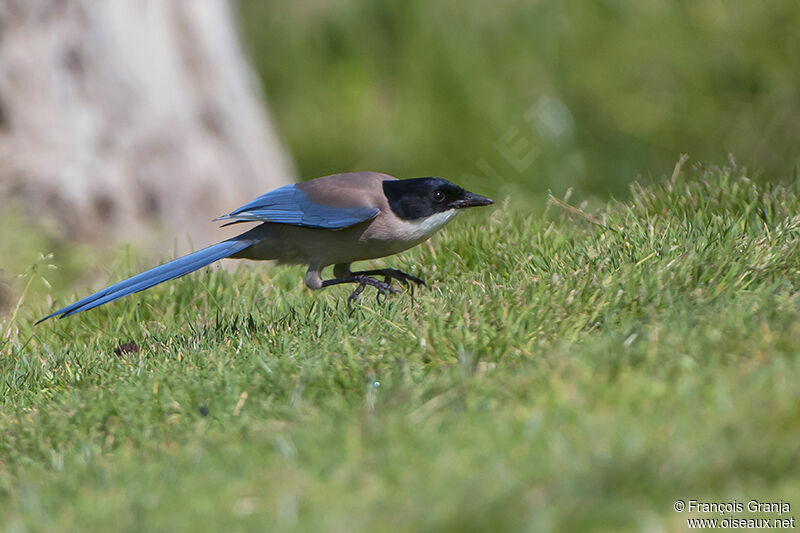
(470, 199)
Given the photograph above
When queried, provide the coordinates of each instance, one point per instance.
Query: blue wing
(290, 205)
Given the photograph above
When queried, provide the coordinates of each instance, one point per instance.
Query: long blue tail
(145, 280)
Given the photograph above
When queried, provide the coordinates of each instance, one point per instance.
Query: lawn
(571, 368)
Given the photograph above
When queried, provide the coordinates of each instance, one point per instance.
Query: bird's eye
(438, 196)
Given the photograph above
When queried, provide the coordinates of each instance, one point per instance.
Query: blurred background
(542, 94)
(139, 121)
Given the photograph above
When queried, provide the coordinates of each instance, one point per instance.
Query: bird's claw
(403, 278)
(390, 274)
(383, 289)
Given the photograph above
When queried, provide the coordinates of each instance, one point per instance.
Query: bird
(333, 220)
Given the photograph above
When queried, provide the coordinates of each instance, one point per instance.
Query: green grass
(570, 369)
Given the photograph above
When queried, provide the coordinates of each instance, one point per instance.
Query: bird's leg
(383, 288)
(391, 273)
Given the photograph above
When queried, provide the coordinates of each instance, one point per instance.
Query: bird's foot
(392, 273)
(383, 288)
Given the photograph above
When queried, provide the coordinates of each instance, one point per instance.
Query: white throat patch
(420, 229)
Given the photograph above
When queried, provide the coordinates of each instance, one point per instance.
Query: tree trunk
(117, 116)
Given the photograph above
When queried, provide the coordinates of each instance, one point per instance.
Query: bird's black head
(417, 198)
